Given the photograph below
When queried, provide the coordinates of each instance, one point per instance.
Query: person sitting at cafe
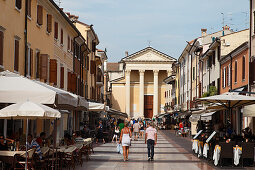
(33, 144)
(247, 132)
(3, 144)
(41, 140)
(68, 140)
(78, 138)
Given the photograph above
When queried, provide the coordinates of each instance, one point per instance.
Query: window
(39, 15)
(254, 22)
(18, 4)
(224, 77)
(61, 37)
(193, 73)
(56, 30)
(213, 57)
(235, 71)
(16, 55)
(243, 72)
(229, 75)
(29, 8)
(37, 65)
(28, 60)
(68, 43)
(1, 47)
(49, 23)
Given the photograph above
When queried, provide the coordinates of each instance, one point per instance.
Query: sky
(167, 25)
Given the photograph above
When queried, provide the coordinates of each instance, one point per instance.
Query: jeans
(150, 146)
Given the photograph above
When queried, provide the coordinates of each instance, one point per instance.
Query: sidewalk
(168, 155)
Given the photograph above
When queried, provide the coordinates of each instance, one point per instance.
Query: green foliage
(212, 91)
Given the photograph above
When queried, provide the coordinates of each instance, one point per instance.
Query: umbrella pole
(26, 145)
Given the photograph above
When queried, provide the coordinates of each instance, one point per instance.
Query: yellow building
(141, 92)
(44, 45)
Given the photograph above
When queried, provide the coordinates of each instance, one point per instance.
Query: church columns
(141, 102)
(155, 98)
(128, 92)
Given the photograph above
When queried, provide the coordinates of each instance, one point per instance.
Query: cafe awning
(15, 88)
(114, 112)
(207, 116)
(93, 106)
(249, 111)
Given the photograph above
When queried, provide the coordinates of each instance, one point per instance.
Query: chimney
(226, 27)
(126, 53)
(203, 32)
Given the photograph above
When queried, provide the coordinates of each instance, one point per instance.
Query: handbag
(121, 150)
(118, 148)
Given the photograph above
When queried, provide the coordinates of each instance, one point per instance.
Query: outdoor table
(45, 150)
(9, 156)
(216, 154)
(205, 150)
(237, 154)
(195, 146)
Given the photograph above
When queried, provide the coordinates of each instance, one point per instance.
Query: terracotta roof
(113, 67)
(100, 50)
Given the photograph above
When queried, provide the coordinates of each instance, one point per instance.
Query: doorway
(148, 106)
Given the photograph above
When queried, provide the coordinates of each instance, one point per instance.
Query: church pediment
(149, 54)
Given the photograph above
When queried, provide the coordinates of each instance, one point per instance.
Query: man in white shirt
(136, 128)
(151, 140)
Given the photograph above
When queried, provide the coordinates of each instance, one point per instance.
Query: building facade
(141, 91)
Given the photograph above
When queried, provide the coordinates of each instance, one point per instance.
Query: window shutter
(49, 23)
(38, 66)
(93, 47)
(87, 63)
(222, 76)
(56, 30)
(18, 4)
(72, 45)
(16, 57)
(218, 50)
(31, 62)
(53, 71)
(69, 84)
(39, 14)
(68, 43)
(73, 82)
(227, 79)
(1, 47)
(29, 8)
(243, 77)
(62, 71)
(62, 35)
(235, 71)
(44, 67)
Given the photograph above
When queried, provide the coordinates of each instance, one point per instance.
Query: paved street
(168, 155)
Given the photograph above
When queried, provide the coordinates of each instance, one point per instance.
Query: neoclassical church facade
(141, 91)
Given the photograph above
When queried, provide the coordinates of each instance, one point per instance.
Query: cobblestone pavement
(168, 155)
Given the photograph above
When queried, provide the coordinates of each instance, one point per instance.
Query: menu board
(210, 137)
(198, 134)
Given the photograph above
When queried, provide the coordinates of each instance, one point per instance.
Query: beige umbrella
(228, 100)
(28, 110)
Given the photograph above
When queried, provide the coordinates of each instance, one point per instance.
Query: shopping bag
(118, 148)
(121, 150)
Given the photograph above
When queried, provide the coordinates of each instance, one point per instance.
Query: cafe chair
(21, 160)
(226, 153)
(247, 152)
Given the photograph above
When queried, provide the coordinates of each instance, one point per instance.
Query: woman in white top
(125, 137)
(116, 134)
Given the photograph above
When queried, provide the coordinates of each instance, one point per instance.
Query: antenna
(149, 43)
(223, 19)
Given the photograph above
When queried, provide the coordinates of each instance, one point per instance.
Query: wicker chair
(247, 152)
(226, 152)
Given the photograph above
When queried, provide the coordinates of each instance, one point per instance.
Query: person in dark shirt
(3, 145)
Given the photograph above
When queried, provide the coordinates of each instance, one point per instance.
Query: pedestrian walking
(116, 134)
(136, 127)
(100, 134)
(151, 140)
(125, 137)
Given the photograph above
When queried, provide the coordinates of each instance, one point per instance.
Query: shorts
(141, 130)
(115, 136)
